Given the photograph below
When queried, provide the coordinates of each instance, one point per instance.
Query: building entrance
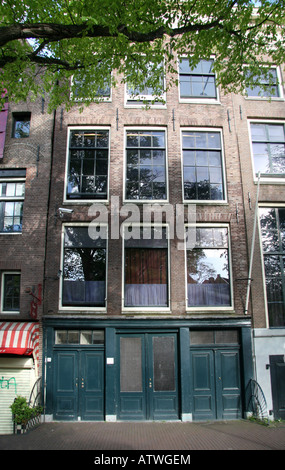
(148, 385)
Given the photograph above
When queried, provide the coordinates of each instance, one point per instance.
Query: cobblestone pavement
(156, 436)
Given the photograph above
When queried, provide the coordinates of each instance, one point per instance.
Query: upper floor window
(21, 125)
(88, 162)
(84, 268)
(146, 93)
(267, 85)
(10, 292)
(81, 90)
(146, 282)
(202, 166)
(268, 148)
(272, 224)
(12, 193)
(146, 174)
(197, 82)
(208, 268)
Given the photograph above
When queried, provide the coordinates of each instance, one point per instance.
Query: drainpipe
(252, 247)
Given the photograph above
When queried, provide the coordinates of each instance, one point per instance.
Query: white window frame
(210, 308)
(263, 179)
(80, 201)
(268, 98)
(145, 201)
(198, 100)
(7, 312)
(205, 201)
(77, 309)
(145, 309)
(269, 205)
(135, 101)
(19, 179)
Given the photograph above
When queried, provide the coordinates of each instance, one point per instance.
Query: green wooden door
(78, 385)
(147, 388)
(216, 392)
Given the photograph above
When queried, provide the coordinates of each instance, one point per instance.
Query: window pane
(11, 300)
(163, 363)
(130, 365)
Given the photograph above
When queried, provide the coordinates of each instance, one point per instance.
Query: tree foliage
(44, 43)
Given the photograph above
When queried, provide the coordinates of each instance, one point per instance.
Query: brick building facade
(149, 328)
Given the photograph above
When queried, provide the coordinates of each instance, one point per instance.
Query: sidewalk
(162, 436)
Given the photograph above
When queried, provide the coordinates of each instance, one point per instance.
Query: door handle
(150, 384)
(82, 382)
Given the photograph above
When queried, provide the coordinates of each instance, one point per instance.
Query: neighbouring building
(138, 226)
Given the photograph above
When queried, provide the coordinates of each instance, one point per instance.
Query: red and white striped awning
(19, 338)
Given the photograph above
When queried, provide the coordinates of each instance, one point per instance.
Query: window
(84, 268)
(10, 292)
(78, 89)
(88, 162)
(83, 337)
(272, 225)
(21, 125)
(12, 192)
(268, 148)
(197, 82)
(146, 165)
(146, 268)
(208, 271)
(147, 93)
(202, 166)
(267, 85)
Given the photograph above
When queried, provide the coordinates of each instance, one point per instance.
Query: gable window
(197, 82)
(10, 292)
(208, 270)
(272, 225)
(12, 193)
(202, 166)
(267, 85)
(88, 162)
(268, 148)
(146, 165)
(21, 125)
(84, 269)
(146, 268)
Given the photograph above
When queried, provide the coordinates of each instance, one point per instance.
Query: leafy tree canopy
(58, 39)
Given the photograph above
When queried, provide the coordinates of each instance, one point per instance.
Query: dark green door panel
(147, 387)
(216, 392)
(78, 385)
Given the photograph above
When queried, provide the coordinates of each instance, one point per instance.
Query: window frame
(146, 309)
(260, 207)
(79, 308)
(279, 88)
(17, 118)
(3, 311)
(145, 201)
(211, 308)
(136, 101)
(269, 178)
(79, 200)
(210, 100)
(101, 98)
(223, 167)
(13, 179)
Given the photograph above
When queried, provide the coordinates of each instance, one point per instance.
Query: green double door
(147, 378)
(78, 390)
(216, 388)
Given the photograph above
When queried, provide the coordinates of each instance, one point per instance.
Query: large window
(268, 148)
(272, 224)
(12, 193)
(10, 292)
(197, 82)
(146, 268)
(146, 94)
(208, 269)
(84, 268)
(146, 165)
(87, 174)
(202, 166)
